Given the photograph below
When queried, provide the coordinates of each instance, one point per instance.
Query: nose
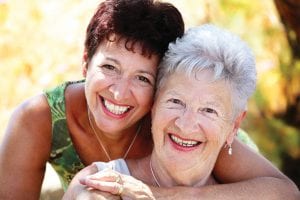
(120, 89)
(188, 122)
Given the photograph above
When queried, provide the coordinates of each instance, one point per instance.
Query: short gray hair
(215, 49)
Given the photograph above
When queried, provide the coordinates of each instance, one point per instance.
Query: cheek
(162, 119)
(214, 131)
(96, 79)
(144, 96)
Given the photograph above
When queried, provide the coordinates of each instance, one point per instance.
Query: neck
(161, 177)
(108, 145)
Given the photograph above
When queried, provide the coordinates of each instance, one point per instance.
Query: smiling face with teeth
(190, 124)
(119, 85)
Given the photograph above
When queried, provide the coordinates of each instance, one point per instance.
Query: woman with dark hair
(105, 116)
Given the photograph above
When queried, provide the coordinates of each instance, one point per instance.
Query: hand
(81, 192)
(115, 183)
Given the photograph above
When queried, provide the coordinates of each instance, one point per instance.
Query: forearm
(259, 188)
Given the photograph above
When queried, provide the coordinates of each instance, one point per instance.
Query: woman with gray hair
(204, 82)
(210, 48)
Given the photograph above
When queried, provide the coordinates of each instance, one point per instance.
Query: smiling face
(190, 124)
(119, 85)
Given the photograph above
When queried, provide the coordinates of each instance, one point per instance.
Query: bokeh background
(41, 44)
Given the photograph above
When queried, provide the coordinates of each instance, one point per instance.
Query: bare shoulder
(33, 115)
(25, 149)
(29, 125)
(29, 129)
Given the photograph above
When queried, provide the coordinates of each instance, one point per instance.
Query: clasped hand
(90, 182)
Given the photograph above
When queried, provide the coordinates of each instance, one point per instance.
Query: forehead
(198, 89)
(115, 49)
(116, 42)
(129, 44)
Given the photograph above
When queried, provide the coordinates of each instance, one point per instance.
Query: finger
(85, 172)
(111, 187)
(106, 175)
(110, 176)
(135, 189)
(85, 180)
(94, 168)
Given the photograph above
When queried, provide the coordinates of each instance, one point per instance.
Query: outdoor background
(41, 44)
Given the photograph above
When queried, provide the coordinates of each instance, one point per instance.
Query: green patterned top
(64, 158)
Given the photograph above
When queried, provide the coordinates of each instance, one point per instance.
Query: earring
(230, 150)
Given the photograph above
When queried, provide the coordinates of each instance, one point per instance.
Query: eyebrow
(147, 72)
(113, 60)
(214, 103)
(173, 92)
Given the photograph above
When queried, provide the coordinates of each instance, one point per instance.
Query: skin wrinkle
(175, 103)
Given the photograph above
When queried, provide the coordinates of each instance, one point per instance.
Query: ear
(237, 123)
(84, 63)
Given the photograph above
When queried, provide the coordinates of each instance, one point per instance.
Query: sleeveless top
(63, 157)
(118, 165)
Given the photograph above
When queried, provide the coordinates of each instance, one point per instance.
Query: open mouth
(184, 143)
(115, 109)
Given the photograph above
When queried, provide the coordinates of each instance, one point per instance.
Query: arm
(255, 174)
(250, 176)
(250, 190)
(25, 150)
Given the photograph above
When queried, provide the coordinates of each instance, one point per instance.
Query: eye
(209, 111)
(176, 101)
(173, 103)
(108, 67)
(109, 70)
(143, 79)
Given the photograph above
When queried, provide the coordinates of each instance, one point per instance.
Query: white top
(118, 165)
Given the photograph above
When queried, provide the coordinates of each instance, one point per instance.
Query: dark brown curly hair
(150, 23)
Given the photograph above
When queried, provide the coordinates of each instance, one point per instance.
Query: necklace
(153, 175)
(102, 146)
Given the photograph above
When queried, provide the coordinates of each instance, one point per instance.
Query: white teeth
(184, 143)
(115, 109)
